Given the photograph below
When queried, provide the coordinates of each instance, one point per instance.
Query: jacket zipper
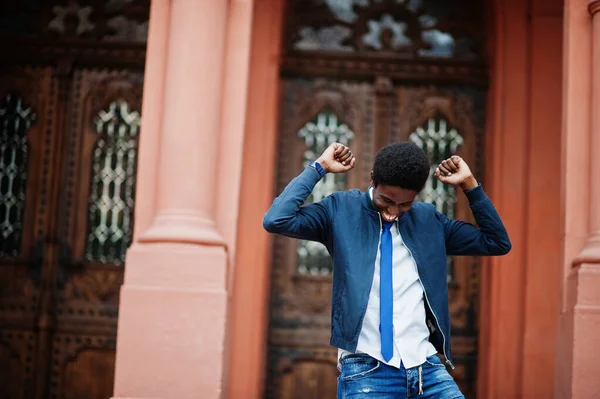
(448, 362)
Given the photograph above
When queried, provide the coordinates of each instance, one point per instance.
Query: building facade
(143, 141)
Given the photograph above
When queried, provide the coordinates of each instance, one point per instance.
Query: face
(392, 201)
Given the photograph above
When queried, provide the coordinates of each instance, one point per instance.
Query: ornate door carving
(68, 185)
(95, 225)
(445, 121)
(70, 102)
(315, 113)
(369, 73)
(27, 108)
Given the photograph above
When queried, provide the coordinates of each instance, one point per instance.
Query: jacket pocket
(355, 367)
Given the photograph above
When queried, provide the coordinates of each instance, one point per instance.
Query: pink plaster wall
(523, 136)
(500, 348)
(575, 163)
(231, 144)
(252, 261)
(579, 332)
(542, 275)
(575, 159)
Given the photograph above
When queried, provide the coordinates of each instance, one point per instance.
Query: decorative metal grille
(439, 141)
(313, 258)
(376, 39)
(15, 120)
(327, 38)
(420, 28)
(112, 193)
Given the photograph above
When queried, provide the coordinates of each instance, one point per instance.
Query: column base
(172, 316)
(182, 226)
(591, 251)
(577, 363)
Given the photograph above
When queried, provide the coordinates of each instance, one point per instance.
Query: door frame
(507, 176)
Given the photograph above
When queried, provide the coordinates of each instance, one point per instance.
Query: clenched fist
(337, 158)
(456, 172)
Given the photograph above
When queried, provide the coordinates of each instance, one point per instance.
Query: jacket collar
(367, 202)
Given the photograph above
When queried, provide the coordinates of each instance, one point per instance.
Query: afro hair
(401, 164)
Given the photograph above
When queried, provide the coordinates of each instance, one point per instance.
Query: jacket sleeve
(465, 239)
(289, 217)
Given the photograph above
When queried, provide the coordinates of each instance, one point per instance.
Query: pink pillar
(191, 123)
(579, 324)
(173, 306)
(591, 251)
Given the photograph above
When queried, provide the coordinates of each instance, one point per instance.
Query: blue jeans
(363, 377)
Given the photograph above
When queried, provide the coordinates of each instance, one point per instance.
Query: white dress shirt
(411, 335)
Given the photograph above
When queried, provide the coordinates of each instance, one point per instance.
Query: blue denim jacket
(349, 226)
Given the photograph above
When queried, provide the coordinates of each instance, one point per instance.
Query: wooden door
(94, 226)
(27, 210)
(68, 185)
(368, 73)
(70, 101)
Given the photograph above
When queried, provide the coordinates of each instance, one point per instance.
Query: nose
(395, 210)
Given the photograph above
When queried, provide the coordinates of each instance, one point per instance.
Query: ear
(371, 181)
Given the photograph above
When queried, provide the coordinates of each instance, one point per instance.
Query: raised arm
(287, 215)
(463, 238)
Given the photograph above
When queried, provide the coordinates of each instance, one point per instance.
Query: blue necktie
(386, 293)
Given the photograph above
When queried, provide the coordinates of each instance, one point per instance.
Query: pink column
(173, 306)
(190, 125)
(591, 251)
(579, 323)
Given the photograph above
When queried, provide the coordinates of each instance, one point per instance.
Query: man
(390, 299)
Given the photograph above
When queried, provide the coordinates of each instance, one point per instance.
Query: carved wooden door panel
(95, 225)
(70, 102)
(444, 121)
(28, 103)
(369, 72)
(67, 170)
(314, 114)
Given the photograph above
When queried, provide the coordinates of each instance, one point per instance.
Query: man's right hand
(337, 158)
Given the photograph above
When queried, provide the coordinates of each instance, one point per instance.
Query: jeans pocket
(434, 361)
(357, 367)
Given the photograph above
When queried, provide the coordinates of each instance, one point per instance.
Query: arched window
(318, 134)
(439, 141)
(112, 192)
(15, 120)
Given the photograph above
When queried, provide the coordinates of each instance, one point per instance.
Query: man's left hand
(456, 172)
